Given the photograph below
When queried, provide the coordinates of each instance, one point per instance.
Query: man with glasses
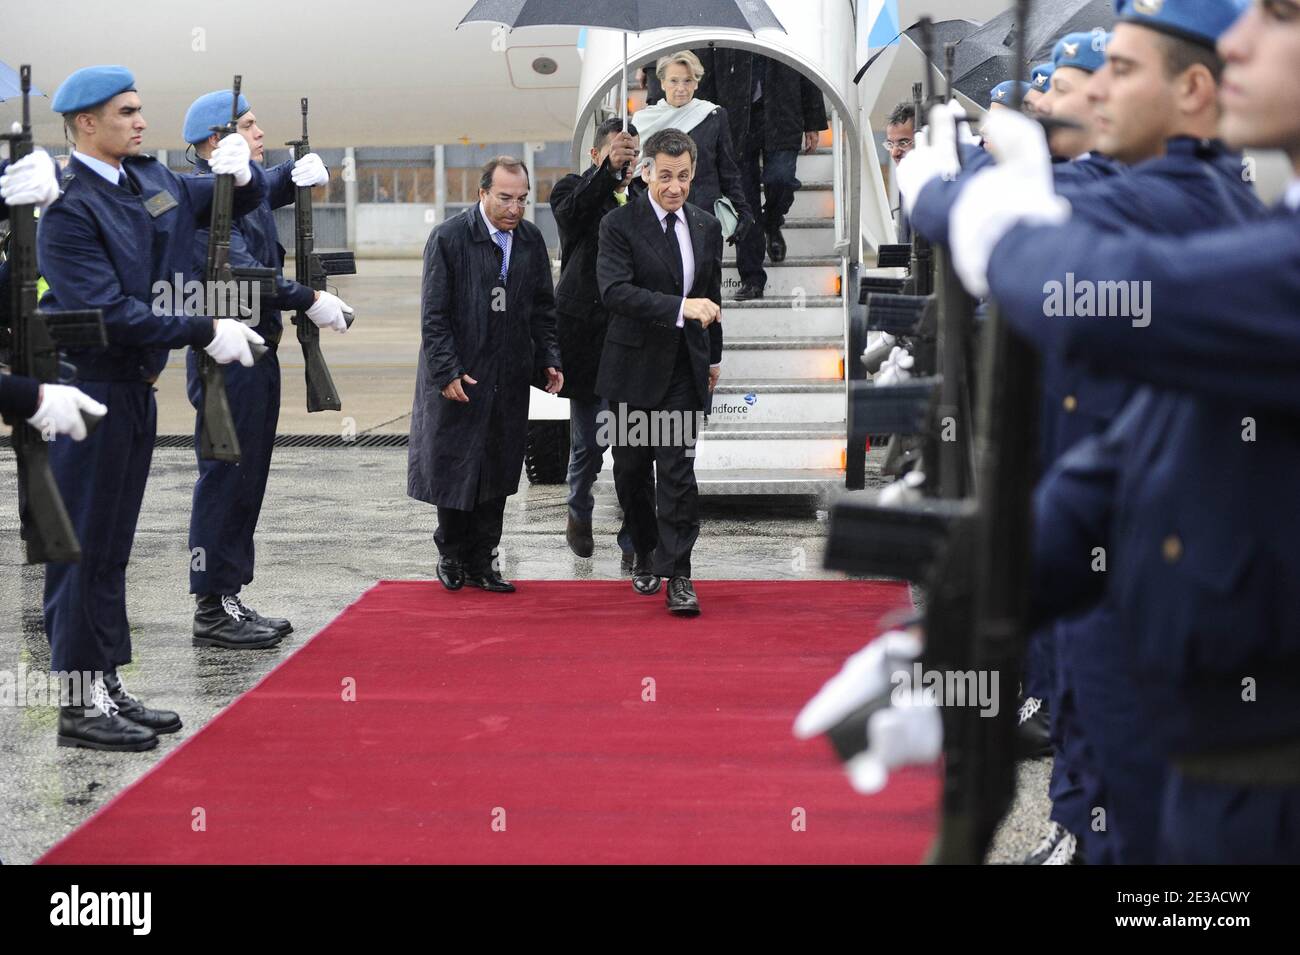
(900, 139)
(487, 310)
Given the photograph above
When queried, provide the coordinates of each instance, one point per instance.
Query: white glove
(906, 490)
(909, 733)
(329, 311)
(965, 135)
(1016, 139)
(231, 158)
(935, 155)
(896, 368)
(1018, 191)
(60, 411)
(863, 677)
(310, 171)
(230, 343)
(904, 730)
(31, 181)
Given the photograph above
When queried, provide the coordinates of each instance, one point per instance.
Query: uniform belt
(1266, 764)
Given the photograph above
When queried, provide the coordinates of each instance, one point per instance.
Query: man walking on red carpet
(487, 308)
(660, 275)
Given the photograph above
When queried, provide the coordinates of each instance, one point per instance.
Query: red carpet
(470, 703)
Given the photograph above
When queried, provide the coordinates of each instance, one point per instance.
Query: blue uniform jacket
(1190, 489)
(934, 205)
(1196, 185)
(100, 246)
(254, 243)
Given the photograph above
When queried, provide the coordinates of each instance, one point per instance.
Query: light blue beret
(1004, 92)
(1040, 78)
(1201, 21)
(91, 86)
(1083, 51)
(210, 109)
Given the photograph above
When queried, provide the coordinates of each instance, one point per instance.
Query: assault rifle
(218, 440)
(34, 342)
(311, 269)
(972, 553)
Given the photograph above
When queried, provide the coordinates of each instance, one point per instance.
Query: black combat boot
(130, 707)
(219, 622)
(97, 725)
(280, 625)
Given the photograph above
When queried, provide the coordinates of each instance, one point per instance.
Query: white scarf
(661, 115)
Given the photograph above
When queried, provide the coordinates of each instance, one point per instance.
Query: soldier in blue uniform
(123, 223)
(1156, 109)
(1077, 56)
(228, 497)
(1186, 492)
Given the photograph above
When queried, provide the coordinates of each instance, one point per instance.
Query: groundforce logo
(103, 908)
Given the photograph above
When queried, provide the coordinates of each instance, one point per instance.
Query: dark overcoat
(461, 453)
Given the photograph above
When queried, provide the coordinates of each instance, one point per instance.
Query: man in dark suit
(579, 202)
(660, 275)
(775, 113)
(487, 332)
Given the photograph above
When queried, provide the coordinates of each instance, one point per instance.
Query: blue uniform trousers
(102, 481)
(228, 497)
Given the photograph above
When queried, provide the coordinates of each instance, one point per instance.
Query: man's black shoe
(451, 573)
(280, 625)
(578, 535)
(490, 580)
(748, 291)
(129, 707)
(96, 725)
(776, 246)
(644, 580)
(219, 622)
(681, 598)
(1033, 730)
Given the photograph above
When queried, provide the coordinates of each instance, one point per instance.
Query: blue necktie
(503, 242)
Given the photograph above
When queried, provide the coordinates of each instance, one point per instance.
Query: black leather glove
(742, 229)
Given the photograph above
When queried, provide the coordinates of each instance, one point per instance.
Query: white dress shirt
(688, 252)
(1293, 195)
(493, 230)
(108, 171)
(688, 255)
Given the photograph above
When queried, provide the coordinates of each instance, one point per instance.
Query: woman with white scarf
(716, 173)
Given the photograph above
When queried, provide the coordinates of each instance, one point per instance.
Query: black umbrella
(986, 57)
(986, 53)
(629, 16)
(945, 32)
